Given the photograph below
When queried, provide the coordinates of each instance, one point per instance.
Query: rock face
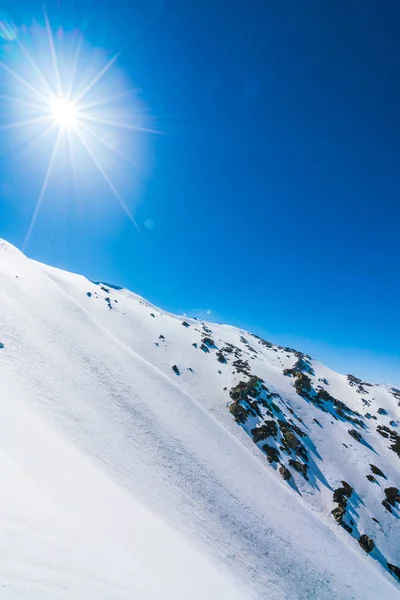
(274, 421)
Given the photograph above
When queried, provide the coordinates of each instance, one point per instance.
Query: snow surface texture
(133, 465)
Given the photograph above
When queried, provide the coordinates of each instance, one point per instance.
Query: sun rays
(80, 113)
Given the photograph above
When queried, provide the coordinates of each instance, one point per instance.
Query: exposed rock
(89, 294)
(356, 382)
(271, 452)
(383, 430)
(152, 315)
(377, 471)
(347, 488)
(393, 435)
(252, 388)
(220, 357)
(242, 366)
(291, 440)
(204, 348)
(338, 514)
(161, 337)
(392, 495)
(285, 473)
(239, 412)
(262, 342)
(371, 478)
(396, 446)
(366, 543)
(299, 467)
(243, 406)
(268, 429)
(293, 427)
(175, 369)
(341, 494)
(355, 434)
(386, 504)
(394, 570)
(185, 324)
(382, 411)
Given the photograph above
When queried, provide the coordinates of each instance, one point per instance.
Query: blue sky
(272, 199)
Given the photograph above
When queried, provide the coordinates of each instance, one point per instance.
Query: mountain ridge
(171, 441)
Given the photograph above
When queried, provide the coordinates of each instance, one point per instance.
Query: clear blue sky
(274, 193)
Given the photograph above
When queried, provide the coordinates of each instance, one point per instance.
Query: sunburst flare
(52, 96)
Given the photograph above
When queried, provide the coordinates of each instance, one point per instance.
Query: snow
(121, 479)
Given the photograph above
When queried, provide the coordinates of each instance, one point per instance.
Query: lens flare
(68, 93)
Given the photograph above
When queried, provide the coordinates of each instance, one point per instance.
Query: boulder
(366, 543)
(392, 495)
(286, 474)
(271, 452)
(394, 570)
(377, 471)
(355, 434)
(338, 514)
(299, 467)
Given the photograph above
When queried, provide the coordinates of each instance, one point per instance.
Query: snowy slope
(122, 477)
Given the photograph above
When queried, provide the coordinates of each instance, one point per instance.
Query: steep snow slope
(123, 477)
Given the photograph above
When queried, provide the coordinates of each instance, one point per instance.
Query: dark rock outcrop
(339, 513)
(355, 434)
(299, 467)
(394, 570)
(220, 357)
(271, 452)
(285, 473)
(392, 495)
(376, 471)
(366, 543)
(268, 429)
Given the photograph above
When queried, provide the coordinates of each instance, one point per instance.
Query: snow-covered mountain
(149, 456)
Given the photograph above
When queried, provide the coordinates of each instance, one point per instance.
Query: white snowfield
(120, 478)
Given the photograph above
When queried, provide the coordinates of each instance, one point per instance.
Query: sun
(74, 99)
(64, 113)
